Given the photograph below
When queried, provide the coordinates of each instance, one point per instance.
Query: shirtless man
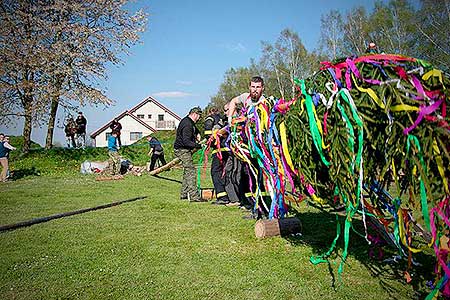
(255, 95)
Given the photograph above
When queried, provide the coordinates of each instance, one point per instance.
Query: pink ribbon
(424, 110)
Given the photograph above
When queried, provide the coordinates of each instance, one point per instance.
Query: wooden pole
(66, 214)
(275, 227)
(167, 166)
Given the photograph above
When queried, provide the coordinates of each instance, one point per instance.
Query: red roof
(119, 117)
(132, 110)
(151, 99)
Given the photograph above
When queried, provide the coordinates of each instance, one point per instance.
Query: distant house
(146, 117)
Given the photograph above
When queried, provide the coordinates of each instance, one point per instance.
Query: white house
(146, 117)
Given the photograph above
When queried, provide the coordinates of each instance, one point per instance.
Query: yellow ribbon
(437, 154)
(284, 145)
(434, 73)
(370, 92)
(403, 107)
(403, 234)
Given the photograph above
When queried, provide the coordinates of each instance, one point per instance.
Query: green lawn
(164, 248)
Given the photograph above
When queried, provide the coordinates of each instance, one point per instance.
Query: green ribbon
(322, 258)
(199, 172)
(423, 192)
(317, 138)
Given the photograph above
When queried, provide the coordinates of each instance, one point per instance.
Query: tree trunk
(27, 102)
(51, 122)
(275, 227)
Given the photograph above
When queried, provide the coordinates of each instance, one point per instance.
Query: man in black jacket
(81, 130)
(156, 152)
(184, 146)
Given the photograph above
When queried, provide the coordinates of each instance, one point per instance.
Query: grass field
(164, 248)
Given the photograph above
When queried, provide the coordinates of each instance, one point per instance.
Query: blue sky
(190, 44)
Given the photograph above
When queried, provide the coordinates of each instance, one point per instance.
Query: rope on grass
(34, 221)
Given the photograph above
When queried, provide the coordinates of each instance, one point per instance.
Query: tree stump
(208, 194)
(275, 227)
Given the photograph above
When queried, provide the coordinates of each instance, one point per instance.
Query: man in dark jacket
(70, 129)
(184, 146)
(81, 130)
(156, 152)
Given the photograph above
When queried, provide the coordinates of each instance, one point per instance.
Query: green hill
(64, 160)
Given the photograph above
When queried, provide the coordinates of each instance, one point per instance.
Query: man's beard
(255, 96)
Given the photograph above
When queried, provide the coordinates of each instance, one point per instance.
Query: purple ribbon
(424, 110)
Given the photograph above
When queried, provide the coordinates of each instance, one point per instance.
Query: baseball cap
(196, 109)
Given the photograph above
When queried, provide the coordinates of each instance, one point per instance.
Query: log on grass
(167, 166)
(275, 227)
(66, 214)
(108, 177)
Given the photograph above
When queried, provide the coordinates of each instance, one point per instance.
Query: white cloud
(234, 47)
(184, 82)
(174, 94)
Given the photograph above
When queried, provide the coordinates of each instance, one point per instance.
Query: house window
(134, 136)
(160, 117)
(140, 116)
(149, 116)
(108, 134)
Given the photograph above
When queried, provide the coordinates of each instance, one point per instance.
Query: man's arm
(232, 108)
(8, 146)
(233, 104)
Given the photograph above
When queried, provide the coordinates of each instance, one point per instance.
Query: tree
(434, 29)
(288, 59)
(331, 37)
(355, 31)
(235, 83)
(392, 27)
(70, 43)
(22, 61)
(280, 63)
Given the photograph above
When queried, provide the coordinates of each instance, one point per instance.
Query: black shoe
(220, 202)
(183, 198)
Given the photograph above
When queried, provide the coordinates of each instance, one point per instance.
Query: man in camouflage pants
(114, 158)
(184, 146)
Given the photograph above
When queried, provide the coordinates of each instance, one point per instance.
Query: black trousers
(218, 176)
(155, 158)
